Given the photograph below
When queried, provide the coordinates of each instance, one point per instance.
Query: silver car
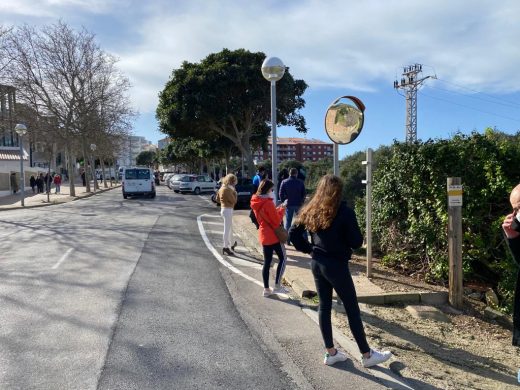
(193, 183)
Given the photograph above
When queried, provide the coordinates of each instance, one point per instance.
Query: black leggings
(334, 273)
(268, 258)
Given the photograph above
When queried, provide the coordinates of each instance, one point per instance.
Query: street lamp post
(93, 167)
(273, 70)
(21, 130)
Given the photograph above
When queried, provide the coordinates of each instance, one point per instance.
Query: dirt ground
(468, 352)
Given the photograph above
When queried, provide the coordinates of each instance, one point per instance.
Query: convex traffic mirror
(344, 119)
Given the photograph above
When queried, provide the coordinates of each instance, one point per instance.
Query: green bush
(410, 206)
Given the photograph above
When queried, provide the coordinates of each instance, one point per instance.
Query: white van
(138, 181)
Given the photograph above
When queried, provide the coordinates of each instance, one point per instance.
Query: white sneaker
(279, 289)
(329, 359)
(375, 358)
(267, 292)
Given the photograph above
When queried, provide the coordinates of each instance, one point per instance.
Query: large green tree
(225, 95)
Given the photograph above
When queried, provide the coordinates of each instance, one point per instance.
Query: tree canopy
(225, 95)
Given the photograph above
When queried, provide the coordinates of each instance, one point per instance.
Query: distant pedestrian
(260, 175)
(292, 191)
(83, 179)
(227, 197)
(57, 183)
(334, 232)
(511, 227)
(39, 183)
(32, 182)
(269, 217)
(282, 175)
(14, 183)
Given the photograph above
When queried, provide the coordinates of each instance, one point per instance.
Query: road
(106, 293)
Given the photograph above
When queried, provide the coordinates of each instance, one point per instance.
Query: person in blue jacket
(260, 175)
(334, 232)
(292, 190)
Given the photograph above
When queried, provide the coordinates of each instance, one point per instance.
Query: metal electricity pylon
(410, 82)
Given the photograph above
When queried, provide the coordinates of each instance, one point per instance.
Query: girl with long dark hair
(334, 233)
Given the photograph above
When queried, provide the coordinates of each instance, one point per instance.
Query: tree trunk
(85, 169)
(103, 173)
(71, 172)
(49, 182)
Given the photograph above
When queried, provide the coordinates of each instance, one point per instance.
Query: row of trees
(70, 93)
(219, 108)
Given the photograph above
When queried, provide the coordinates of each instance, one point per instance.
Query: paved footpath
(31, 199)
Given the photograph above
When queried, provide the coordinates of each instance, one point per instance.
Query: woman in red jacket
(269, 217)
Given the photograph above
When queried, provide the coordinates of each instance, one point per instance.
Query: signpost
(455, 241)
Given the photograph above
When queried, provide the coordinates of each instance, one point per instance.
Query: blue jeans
(289, 214)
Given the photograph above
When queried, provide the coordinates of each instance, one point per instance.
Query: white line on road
(63, 258)
(218, 256)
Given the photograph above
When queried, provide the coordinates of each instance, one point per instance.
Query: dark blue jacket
(293, 190)
(337, 241)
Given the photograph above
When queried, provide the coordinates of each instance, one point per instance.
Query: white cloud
(356, 45)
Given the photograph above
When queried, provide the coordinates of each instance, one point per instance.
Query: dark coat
(337, 241)
(293, 190)
(514, 244)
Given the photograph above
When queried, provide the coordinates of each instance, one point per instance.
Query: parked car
(138, 181)
(171, 176)
(193, 183)
(245, 190)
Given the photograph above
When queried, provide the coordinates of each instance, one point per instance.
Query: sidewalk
(299, 276)
(31, 199)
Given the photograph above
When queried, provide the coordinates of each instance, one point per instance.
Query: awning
(11, 155)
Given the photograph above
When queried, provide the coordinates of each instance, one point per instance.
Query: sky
(339, 47)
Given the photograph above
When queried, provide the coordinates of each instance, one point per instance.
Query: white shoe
(329, 359)
(375, 358)
(267, 292)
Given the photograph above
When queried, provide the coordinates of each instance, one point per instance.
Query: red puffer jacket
(268, 217)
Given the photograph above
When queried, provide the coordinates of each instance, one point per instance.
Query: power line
(508, 102)
(471, 108)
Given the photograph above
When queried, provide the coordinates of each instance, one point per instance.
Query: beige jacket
(227, 197)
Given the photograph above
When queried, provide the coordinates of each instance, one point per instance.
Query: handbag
(281, 234)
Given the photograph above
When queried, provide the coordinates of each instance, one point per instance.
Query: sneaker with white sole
(267, 292)
(329, 359)
(375, 358)
(279, 289)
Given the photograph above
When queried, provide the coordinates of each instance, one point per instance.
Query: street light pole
(21, 130)
(93, 167)
(273, 70)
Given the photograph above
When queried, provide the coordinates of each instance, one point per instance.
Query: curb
(428, 298)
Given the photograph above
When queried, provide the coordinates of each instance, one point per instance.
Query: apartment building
(300, 149)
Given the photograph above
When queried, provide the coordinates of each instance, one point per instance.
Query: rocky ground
(460, 350)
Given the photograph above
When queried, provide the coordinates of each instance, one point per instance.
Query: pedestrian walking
(334, 233)
(57, 183)
(32, 182)
(269, 217)
(83, 178)
(511, 227)
(292, 190)
(14, 183)
(227, 197)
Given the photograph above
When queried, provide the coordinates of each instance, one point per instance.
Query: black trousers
(334, 274)
(268, 258)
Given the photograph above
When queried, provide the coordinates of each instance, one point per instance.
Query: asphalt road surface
(106, 293)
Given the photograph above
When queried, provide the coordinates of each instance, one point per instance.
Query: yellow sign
(455, 195)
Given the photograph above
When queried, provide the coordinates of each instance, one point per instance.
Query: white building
(132, 146)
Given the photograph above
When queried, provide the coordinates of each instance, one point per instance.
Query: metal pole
(22, 178)
(369, 212)
(336, 159)
(274, 158)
